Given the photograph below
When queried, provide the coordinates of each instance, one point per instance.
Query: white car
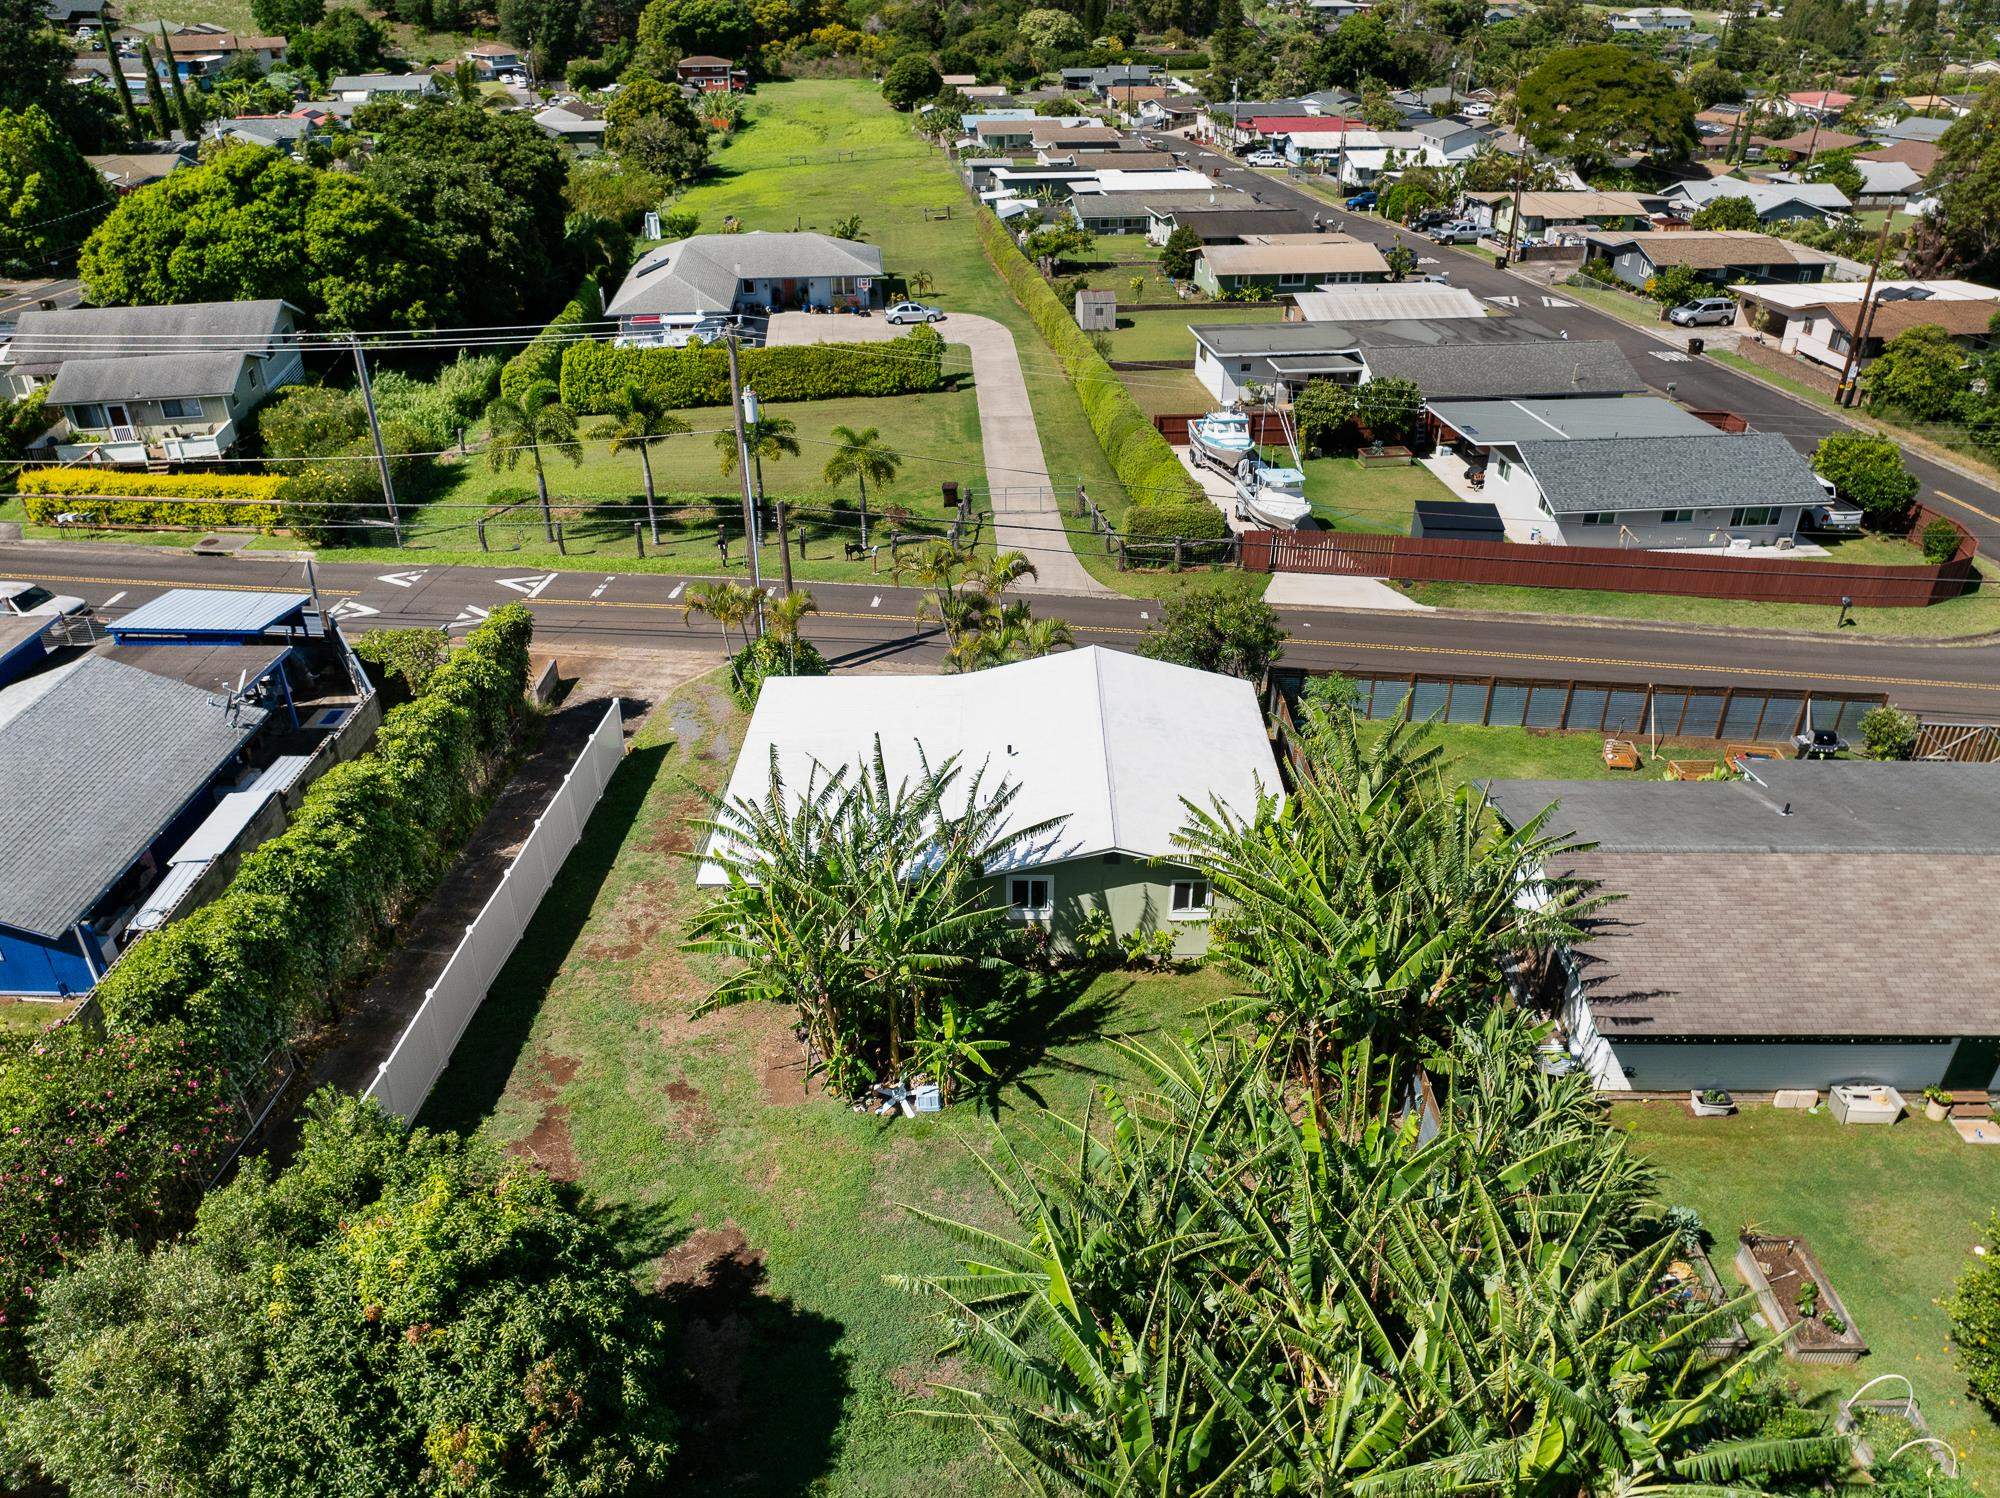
(913, 312)
(1264, 158)
(1476, 111)
(32, 601)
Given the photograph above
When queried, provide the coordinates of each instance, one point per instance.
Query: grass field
(769, 1217)
(1346, 496)
(1165, 335)
(1478, 753)
(1167, 392)
(1891, 1214)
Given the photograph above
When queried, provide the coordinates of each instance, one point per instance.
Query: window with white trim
(1595, 517)
(177, 408)
(1754, 515)
(1030, 897)
(1187, 900)
(1677, 517)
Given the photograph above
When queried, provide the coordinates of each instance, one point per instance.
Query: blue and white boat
(1222, 440)
(1273, 496)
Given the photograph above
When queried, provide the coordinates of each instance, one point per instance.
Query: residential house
(1819, 322)
(1625, 472)
(1330, 13)
(1132, 101)
(1386, 301)
(1101, 81)
(92, 69)
(201, 54)
(130, 171)
(367, 88)
(1827, 104)
(674, 287)
(1738, 952)
(712, 75)
(1364, 158)
(1115, 201)
(1287, 262)
(1096, 161)
(1454, 141)
(1719, 257)
(1648, 19)
(1887, 184)
(1920, 156)
(70, 14)
(574, 123)
(1226, 222)
(1451, 357)
(277, 132)
(1776, 202)
(491, 59)
(140, 385)
(1813, 141)
(1917, 127)
(1108, 747)
(1040, 133)
(1542, 212)
(126, 760)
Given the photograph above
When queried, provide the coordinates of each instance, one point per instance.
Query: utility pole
(754, 414)
(1850, 371)
(743, 473)
(375, 431)
(1520, 177)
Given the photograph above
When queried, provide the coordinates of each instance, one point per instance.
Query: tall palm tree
(864, 457)
(635, 421)
(770, 437)
(731, 605)
(783, 618)
(529, 422)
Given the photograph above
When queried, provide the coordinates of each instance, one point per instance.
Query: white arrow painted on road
(401, 579)
(1556, 301)
(676, 593)
(347, 608)
(472, 615)
(532, 586)
(598, 591)
(1505, 301)
(1672, 356)
(1427, 260)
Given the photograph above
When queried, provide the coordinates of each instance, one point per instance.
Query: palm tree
(783, 618)
(1001, 571)
(529, 422)
(731, 605)
(635, 421)
(1032, 638)
(861, 456)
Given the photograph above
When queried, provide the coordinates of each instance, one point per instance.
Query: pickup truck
(1836, 514)
(1457, 232)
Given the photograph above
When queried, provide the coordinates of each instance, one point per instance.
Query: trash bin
(1696, 345)
(951, 493)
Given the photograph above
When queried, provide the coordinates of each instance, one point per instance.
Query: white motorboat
(1273, 496)
(1222, 440)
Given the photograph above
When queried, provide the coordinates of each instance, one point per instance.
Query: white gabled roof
(1110, 741)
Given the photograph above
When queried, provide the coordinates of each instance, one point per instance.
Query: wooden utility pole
(743, 474)
(375, 431)
(1850, 371)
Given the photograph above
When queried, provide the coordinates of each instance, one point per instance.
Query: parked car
(1361, 202)
(1434, 277)
(1836, 514)
(1476, 110)
(913, 312)
(1458, 231)
(1703, 312)
(1264, 158)
(32, 601)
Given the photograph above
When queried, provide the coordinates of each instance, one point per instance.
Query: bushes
(593, 374)
(1975, 1324)
(1139, 455)
(162, 499)
(1889, 733)
(1940, 541)
(303, 911)
(542, 359)
(435, 410)
(1152, 528)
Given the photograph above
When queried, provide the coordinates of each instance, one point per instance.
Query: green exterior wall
(1135, 893)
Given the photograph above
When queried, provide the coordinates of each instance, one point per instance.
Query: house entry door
(120, 420)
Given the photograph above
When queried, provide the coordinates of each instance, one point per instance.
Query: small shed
(1456, 520)
(1097, 311)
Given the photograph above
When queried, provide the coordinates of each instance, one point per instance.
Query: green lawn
(769, 1217)
(1165, 335)
(1167, 392)
(1346, 496)
(1478, 753)
(1622, 304)
(1975, 613)
(1891, 1213)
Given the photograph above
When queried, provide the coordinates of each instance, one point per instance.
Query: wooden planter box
(1730, 1339)
(1777, 1297)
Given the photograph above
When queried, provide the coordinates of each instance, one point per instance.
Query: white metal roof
(1112, 742)
(1387, 301)
(209, 610)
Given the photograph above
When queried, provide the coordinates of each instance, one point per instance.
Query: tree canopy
(48, 192)
(654, 129)
(252, 223)
(1921, 371)
(1963, 236)
(1868, 471)
(1589, 103)
(909, 81)
(1216, 627)
(1732, 212)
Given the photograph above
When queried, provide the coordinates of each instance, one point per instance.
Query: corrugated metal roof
(182, 611)
(96, 765)
(1373, 301)
(1486, 422)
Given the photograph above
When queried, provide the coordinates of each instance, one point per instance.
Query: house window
(1292, 278)
(1188, 900)
(178, 408)
(1677, 517)
(90, 417)
(1030, 897)
(1595, 517)
(1754, 515)
(1505, 468)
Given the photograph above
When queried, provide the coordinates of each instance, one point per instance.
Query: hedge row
(542, 358)
(160, 498)
(305, 909)
(1145, 464)
(698, 375)
(1151, 530)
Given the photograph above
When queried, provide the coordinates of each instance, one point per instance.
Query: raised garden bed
(1698, 1289)
(1776, 1268)
(1888, 1427)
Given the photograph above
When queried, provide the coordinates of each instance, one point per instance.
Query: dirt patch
(550, 1145)
(630, 927)
(926, 1376)
(709, 1259)
(692, 1115)
(781, 1062)
(552, 1074)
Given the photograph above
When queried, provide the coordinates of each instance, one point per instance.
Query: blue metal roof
(211, 611)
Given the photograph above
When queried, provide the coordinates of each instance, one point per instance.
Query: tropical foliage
(967, 595)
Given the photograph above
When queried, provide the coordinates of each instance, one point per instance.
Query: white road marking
(401, 579)
(347, 608)
(676, 593)
(1672, 356)
(1505, 301)
(1144, 615)
(472, 614)
(875, 602)
(532, 586)
(598, 591)
(113, 598)
(1556, 301)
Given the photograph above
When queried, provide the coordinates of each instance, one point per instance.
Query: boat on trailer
(1221, 439)
(1273, 496)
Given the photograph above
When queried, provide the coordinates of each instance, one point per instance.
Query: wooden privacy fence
(1688, 574)
(1961, 743)
(1264, 427)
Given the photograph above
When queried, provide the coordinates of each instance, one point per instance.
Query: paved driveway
(1025, 516)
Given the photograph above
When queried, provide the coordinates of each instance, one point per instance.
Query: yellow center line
(154, 582)
(1963, 505)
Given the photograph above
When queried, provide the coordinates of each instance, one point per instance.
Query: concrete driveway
(1025, 515)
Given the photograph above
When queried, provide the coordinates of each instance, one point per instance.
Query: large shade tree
(1588, 104)
(49, 195)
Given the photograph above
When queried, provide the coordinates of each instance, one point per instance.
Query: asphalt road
(1662, 363)
(858, 624)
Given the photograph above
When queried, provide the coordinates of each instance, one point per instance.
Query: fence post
(481, 524)
(639, 538)
(561, 549)
(1177, 553)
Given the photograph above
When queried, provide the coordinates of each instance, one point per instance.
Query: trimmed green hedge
(542, 359)
(1196, 520)
(167, 499)
(1139, 455)
(306, 908)
(698, 375)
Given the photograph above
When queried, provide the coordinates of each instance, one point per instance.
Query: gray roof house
(1921, 127)
(1740, 953)
(574, 123)
(1625, 472)
(672, 288)
(361, 87)
(143, 385)
(1775, 202)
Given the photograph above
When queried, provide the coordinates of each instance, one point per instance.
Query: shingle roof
(1215, 225)
(1960, 319)
(383, 83)
(156, 377)
(1714, 471)
(700, 274)
(1762, 196)
(1542, 368)
(43, 340)
(1713, 249)
(96, 764)
(1294, 259)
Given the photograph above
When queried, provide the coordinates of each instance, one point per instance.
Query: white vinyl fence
(425, 1046)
